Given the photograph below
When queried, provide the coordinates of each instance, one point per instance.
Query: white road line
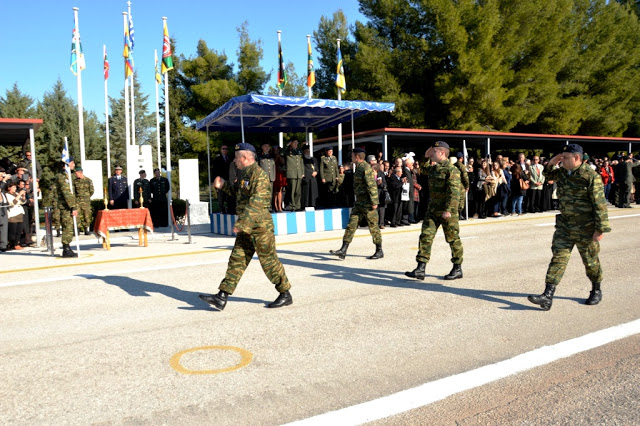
(440, 389)
(108, 273)
(610, 218)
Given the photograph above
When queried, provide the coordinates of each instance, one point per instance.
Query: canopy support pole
(209, 172)
(242, 124)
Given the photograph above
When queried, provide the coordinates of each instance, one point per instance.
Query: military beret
(585, 156)
(460, 155)
(357, 150)
(245, 147)
(78, 169)
(441, 144)
(573, 148)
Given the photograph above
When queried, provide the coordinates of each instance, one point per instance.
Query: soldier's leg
(86, 211)
(561, 247)
(66, 220)
(374, 229)
(297, 194)
(55, 218)
(265, 246)
(589, 251)
(238, 261)
(451, 229)
(354, 219)
(429, 228)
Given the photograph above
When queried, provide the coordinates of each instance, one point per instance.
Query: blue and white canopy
(273, 114)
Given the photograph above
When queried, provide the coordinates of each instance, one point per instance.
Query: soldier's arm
(601, 215)
(66, 193)
(372, 186)
(464, 176)
(91, 189)
(552, 173)
(453, 191)
(321, 169)
(635, 170)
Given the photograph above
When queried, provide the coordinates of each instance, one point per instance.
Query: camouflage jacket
(253, 196)
(444, 187)
(66, 199)
(83, 188)
(464, 176)
(581, 198)
(365, 187)
(328, 168)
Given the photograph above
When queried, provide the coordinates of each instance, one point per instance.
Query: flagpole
(75, 222)
(280, 135)
(133, 110)
(466, 193)
(106, 115)
(79, 80)
(167, 136)
(309, 87)
(339, 124)
(157, 112)
(127, 133)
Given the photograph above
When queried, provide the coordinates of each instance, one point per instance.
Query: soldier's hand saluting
(218, 182)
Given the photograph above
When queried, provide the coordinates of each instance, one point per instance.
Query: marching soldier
(68, 208)
(141, 183)
(329, 177)
(83, 187)
(159, 186)
(118, 190)
(365, 189)
(254, 231)
(295, 172)
(444, 188)
(464, 178)
(582, 221)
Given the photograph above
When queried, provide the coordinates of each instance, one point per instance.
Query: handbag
(387, 197)
(524, 184)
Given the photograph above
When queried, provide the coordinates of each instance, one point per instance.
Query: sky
(37, 40)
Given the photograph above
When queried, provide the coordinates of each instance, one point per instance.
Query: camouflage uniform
(83, 189)
(51, 200)
(67, 203)
(444, 189)
(366, 193)
(583, 210)
(464, 178)
(255, 230)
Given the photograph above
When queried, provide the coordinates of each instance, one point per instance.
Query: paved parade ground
(120, 336)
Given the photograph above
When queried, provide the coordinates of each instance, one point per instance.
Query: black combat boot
(284, 299)
(218, 301)
(67, 252)
(595, 296)
(545, 299)
(418, 272)
(342, 253)
(456, 272)
(379, 254)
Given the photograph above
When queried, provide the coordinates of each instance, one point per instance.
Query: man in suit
(118, 190)
(394, 185)
(220, 167)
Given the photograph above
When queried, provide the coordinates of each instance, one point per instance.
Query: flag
(131, 31)
(282, 75)
(167, 60)
(340, 82)
(126, 53)
(464, 152)
(77, 57)
(311, 74)
(106, 65)
(65, 156)
(158, 74)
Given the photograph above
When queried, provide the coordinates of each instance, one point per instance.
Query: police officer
(68, 208)
(83, 187)
(254, 231)
(141, 183)
(328, 174)
(464, 179)
(118, 190)
(444, 188)
(295, 172)
(365, 189)
(582, 221)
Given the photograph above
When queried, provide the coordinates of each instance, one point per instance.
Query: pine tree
(251, 76)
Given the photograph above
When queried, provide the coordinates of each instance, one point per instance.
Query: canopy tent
(276, 114)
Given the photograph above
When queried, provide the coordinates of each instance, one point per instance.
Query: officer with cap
(464, 179)
(118, 190)
(328, 175)
(365, 189)
(83, 187)
(444, 188)
(254, 231)
(582, 221)
(142, 183)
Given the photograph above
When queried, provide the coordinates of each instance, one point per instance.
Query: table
(111, 220)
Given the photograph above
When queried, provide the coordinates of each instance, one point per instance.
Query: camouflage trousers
(66, 219)
(461, 203)
(55, 217)
(561, 246)
(451, 229)
(357, 213)
(263, 243)
(84, 215)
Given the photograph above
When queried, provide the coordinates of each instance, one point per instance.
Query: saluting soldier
(159, 186)
(365, 189)
(68, 208)
(141, 183)
(254, 231)
(83, 187)
(464, 179)
(295, 172)
(582, 221)
(118, 190)
(267, 163)
(444, 189)
(329, 176)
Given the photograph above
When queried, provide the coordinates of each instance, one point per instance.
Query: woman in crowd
(492, 183)
(518, 179)
(16, 214)
(606, 171)
(479, 194)
(281, 180)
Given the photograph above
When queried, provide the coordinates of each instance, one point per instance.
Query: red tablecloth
(122, 219)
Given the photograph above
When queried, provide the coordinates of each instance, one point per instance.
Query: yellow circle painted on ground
(246, 358)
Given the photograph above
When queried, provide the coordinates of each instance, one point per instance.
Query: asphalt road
(121, 336)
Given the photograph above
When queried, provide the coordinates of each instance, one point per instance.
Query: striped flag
(282, 75)
(340, 82)
(131, 31)
(126, 53)
(167, 60)
(77, 57)
(65, 156)
(106, 65)
(311, 74)
(158, 74)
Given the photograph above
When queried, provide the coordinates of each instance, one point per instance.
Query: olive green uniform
(145, 185)
(83, 189)
(366, 193)
(328, 171)
(464, 179)
(444, 189)
(583, 210)
(255, 230)
(295, 171)
(66, 203)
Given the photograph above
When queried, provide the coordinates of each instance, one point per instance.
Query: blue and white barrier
(290, 222)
